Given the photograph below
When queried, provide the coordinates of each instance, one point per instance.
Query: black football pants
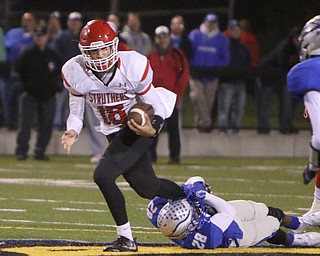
(127, 155)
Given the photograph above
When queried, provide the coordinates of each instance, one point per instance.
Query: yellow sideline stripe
(77, 230)
(95, 251)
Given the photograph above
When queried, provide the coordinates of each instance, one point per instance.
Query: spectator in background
(16, 40)
(171, 71)
(136, 39)
(249, 39)
(38, 68)
(273, 70)
(232, 91)
(114, 17)
(54, 27)
(210, 53)
(178, 38)
(114, 21)
(66, 44)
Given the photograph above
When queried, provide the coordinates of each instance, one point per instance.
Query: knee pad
(276, 212)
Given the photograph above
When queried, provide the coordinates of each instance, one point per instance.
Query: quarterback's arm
(74, 122)
(162, 100)
(225, 212)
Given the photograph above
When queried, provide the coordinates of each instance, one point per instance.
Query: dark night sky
(271, 19)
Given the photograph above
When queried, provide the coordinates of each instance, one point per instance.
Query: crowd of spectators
(218, 66)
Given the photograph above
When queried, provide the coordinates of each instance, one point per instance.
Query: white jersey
(113, 95)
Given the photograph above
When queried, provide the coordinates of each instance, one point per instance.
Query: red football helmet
(97, 35)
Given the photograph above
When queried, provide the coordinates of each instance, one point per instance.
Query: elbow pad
(157, 123)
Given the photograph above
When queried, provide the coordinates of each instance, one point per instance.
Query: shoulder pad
(134, 65)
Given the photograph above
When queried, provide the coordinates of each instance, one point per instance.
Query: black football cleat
(122, 244)
(308, 175)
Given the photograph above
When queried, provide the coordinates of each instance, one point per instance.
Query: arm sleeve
(162, 100)
(226, 213)
(75, 119)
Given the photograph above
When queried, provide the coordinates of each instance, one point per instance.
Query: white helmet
(175, 219)
(310, 38)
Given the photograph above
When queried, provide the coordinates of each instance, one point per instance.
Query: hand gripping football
(137, 113)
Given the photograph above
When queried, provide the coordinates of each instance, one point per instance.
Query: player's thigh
(257, 231)
(142, 178)
(247, 210)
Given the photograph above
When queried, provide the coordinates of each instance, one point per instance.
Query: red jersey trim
(119, 63)
(145, 91)
(145, 71)
(66, 82)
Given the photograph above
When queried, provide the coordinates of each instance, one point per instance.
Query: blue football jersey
(209, 236)
(304, 77)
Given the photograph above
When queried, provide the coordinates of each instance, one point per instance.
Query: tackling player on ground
(304, 85)
(109, 81)
(205, 221)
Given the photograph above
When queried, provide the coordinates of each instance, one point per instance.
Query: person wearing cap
(232, 89)
(210, 53)
(136, 39)
(16, 39)
(66, 44)
(273, 71)
(171, 71)
(37, 70)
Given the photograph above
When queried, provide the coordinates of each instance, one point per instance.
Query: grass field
(59, 200)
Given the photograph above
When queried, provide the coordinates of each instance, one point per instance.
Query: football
(137, 113)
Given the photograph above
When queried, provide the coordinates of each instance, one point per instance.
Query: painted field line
(258, 168)
(58, 183)
(78, 230)
(13, 210)
(65, 209)
(123, 185)
(70, 224)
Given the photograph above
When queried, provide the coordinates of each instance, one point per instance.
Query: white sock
(125, 230)
(317, 193)
(315, 207)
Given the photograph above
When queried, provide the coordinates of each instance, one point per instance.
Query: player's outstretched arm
(68, 139)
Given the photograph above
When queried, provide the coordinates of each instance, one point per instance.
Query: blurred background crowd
(221, 54)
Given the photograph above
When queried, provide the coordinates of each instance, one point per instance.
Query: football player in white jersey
(110, 82)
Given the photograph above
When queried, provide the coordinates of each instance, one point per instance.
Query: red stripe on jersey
(119, 63)
(65, 81)
(76, 95)
(145, 91)
(145, 71)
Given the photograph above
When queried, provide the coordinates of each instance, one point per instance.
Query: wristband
(157, 123)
